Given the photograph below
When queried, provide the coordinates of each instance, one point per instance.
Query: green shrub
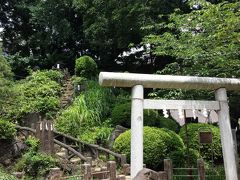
(78, 80)
(97, 135)
(38, 164)
(37, 93)
(34, 163)
(205, 150)
(183, 158)
(32, 143)
(85, 67)
(51, 74)
(159, 143)
(5, 69)
(121, 115)
(7, 129)
(6, 82)
(6, 176)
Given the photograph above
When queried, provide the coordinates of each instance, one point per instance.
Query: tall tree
(52, 30)
(111, 26)
(204, 42)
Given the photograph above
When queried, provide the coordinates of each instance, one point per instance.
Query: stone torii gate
(140, 81)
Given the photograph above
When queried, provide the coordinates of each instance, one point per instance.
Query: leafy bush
(34, 163)
(6, 176)
(7, 129)
(85, 67)
(6, 82)
(38, 164)
(78, 80)
(32, 143)
(51, 74)
(158, 144)
(5, 69)
(37, 93)
(205, 150)
(121, 115)
(97, 135)
(183, 158)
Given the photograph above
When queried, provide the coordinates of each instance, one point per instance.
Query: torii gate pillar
(137, 130)
(226, 135)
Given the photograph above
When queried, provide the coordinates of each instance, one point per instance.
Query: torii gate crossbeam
(140, 81)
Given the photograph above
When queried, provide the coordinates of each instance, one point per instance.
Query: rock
(9, 150)
(19, 175)
(54, 174)
(19, 147)
(7, 162)
(146, 174)
(118, 130)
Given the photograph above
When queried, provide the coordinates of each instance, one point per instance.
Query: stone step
(75, 160)
(61, 154)
(64, 102)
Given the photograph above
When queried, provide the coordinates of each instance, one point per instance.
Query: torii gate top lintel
(167, 81)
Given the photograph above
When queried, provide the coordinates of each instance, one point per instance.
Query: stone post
(201, 169)
(168, 168)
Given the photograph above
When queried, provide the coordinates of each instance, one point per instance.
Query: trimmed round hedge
(159, 143)
(205, 150)
(86, 67)
(121, 115)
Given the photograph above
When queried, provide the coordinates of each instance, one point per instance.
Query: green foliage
(121, 115)
(183, 158)
(37, 93)
(77, 117)
(32, 143)
(6, 93)
(6, 176)
(158, 144)
(97, 135)
(86, 67)
(5, 69)
(99, 99)
(34, 163)
(78, 80)
(53, 75)
(205, 150)
(203, 42)
(7, 129)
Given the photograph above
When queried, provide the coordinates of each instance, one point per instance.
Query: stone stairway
(73, 166)
(67, 93)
